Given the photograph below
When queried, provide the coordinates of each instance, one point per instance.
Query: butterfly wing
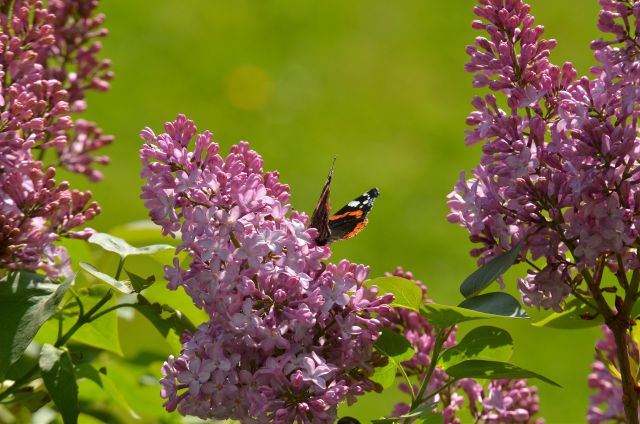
(320, 216)
(352, 218)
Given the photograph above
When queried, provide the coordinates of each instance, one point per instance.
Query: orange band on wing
(356, 214)
(356, 230)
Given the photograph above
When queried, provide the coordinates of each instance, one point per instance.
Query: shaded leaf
(60, 381)
(105, 383)
(483, 342)
(122, 286)
(407, 294)
(498, 303)
(27, 300)
(395, 347)
(124, 249)
(486, 274)
(168, 321)
(493, 370)
(138, 283)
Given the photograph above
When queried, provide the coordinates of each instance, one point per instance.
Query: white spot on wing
(353, 204)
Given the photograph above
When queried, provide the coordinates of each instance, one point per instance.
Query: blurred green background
(378, 84)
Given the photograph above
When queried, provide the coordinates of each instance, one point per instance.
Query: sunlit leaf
(58, 376)
(124, 249)
(395, 347)
(27, 300)
(407, 294)
(488, 273)
(572, 317)
(445, 316)
(492, 370)
(122, 286)
(483, 342)
(103, 332)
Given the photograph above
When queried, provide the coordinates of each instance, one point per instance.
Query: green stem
(449, 383)
(440, 339)
(113, 308)
(119, 270)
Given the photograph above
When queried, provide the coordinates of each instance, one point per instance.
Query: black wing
(352, 218)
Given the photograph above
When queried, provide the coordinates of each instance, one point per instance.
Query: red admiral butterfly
(345, 223)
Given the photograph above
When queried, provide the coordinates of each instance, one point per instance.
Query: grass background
(378, 84)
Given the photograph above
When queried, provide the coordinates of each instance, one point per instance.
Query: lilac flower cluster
(288, 336)
(559, 167)
(502, 401)
(46, 63)
(608, 387)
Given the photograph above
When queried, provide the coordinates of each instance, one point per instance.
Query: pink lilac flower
(289, 337)
(501, 401)
(559, 164)
(605, 406)
(45, 65)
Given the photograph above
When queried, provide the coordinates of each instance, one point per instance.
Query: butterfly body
(345, 223)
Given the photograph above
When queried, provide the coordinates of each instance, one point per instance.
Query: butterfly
(345, 223)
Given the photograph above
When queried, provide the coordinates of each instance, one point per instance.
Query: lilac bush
(288, 336)
(47, 60)
(559, 165)
(500, 401)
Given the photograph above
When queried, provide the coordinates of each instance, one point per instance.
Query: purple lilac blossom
(501, 401)
(289, 337)
(605, 406)
(46, 61)
(559, 166)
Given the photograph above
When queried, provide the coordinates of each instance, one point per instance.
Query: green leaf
(103, 332)
(122, 286)
(493, 370)
(407, 294)
(105, 383)
(60, 381)
(488, 273)
(168, 321)
(498, 303)
(431, 418)
(480, 343)
(443, 316)
(124, 249)
(395, 347)
(138, 283)
(386, 375)
(27, 300)
(570, 317)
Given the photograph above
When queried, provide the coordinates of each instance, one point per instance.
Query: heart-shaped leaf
(488, 273)
(395, 347)
(493, 370)
(407, 294)
(483, 342)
